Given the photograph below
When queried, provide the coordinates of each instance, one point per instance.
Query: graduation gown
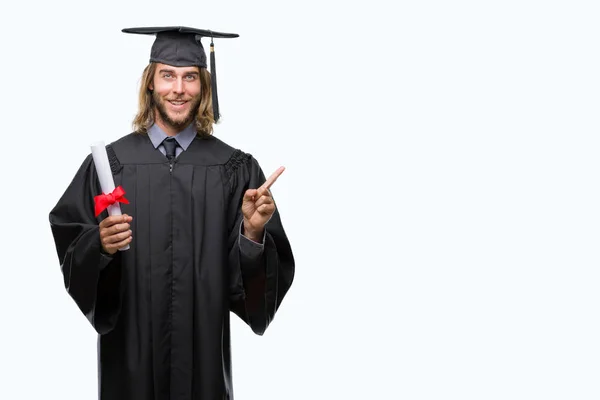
(162, 308)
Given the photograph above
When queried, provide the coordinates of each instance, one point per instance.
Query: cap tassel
(213, 81)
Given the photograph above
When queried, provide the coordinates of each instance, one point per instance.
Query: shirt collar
(184, 138)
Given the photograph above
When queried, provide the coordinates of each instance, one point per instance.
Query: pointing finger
(272, 178)
(265, 186)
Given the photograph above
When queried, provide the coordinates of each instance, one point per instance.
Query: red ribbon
(106, 199)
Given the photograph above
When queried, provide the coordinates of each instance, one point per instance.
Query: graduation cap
(180, 46)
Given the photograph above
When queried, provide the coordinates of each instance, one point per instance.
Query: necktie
(170, 145)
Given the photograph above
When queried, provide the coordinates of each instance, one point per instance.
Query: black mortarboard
(180, 46)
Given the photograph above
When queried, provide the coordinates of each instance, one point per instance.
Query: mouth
(177, 104)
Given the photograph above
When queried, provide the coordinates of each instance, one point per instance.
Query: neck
(169, 129)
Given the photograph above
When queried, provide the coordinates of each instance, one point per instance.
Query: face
(176, 93)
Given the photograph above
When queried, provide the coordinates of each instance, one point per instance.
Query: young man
(204, 233)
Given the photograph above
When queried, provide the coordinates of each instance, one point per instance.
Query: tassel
(213, 81)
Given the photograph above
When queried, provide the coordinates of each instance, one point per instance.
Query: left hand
(258, 207)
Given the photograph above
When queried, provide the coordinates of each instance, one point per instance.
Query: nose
(178, 86)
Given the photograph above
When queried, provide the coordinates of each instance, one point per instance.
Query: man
(204, 233)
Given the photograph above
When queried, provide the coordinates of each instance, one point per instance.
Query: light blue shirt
(184, 138)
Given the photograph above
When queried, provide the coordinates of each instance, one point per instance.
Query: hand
(115, 232)
(258, 207)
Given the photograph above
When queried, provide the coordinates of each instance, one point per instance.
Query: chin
(180, 122)
(179, 118)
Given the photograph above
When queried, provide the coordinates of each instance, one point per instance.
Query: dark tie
(170, 145)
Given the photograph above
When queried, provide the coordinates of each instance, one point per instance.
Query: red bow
(104, 200)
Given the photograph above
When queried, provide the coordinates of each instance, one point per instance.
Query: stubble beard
(182, 122)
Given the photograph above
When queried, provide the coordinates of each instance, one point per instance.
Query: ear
(151, 86)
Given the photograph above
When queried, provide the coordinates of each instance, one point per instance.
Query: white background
(441, 192)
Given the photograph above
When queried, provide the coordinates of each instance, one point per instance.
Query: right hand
(115, 232)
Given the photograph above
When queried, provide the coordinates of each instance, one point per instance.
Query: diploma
(105, 177)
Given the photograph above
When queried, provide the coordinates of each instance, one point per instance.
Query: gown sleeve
(91, 277)
(258, 283)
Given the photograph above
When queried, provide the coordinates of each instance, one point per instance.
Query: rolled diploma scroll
(105, 177)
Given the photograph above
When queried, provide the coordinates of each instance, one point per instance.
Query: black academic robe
(162, 308)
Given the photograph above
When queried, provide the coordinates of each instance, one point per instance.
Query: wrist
(252, 233)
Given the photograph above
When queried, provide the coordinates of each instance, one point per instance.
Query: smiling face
(176, 92)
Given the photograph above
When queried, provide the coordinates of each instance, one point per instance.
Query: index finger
(113, 219)
(271, 179)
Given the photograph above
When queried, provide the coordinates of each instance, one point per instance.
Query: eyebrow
(162, 71)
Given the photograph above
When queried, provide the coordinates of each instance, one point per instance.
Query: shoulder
(123, 149)
(215, 151)
(238, 165)
(234, 155)
(130, 140)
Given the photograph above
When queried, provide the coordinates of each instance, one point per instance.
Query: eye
(166, 75)
(190, 77)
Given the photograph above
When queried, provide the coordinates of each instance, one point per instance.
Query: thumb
(250, 195)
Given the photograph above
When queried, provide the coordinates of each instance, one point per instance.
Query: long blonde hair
(145, 115)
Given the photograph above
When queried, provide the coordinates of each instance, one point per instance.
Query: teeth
(177, 103)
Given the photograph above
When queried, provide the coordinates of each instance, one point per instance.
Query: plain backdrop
(441, 193)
